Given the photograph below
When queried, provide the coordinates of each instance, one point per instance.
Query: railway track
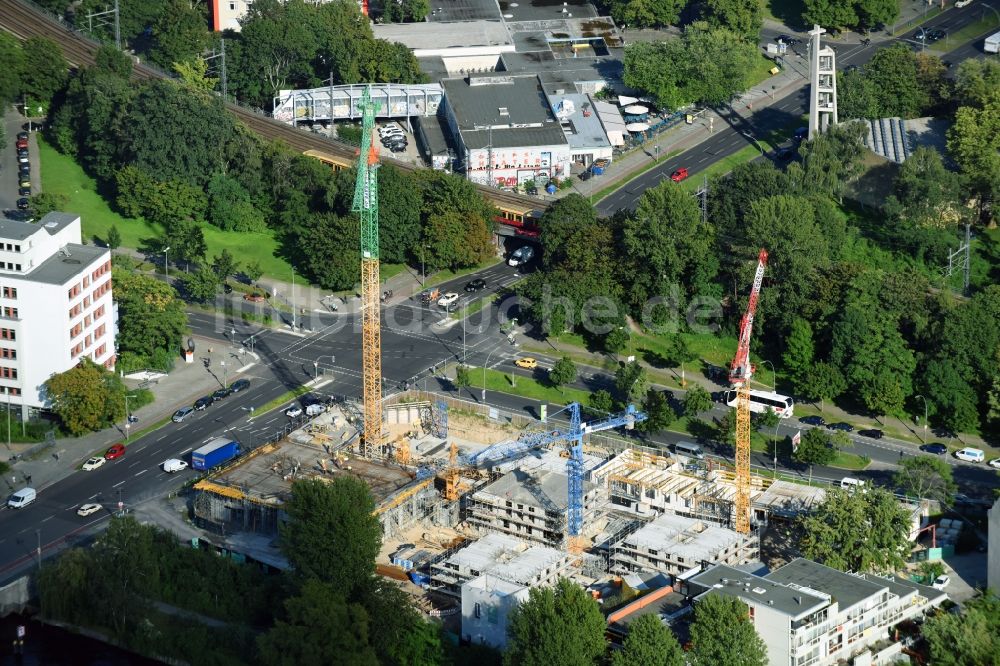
(23, 21)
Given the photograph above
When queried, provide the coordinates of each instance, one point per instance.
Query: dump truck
(992, 43)
(216, 452)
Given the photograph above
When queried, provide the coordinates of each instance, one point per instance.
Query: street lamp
(128, 421)
(225, 375)
(293, 297)
(166, 261)
(924, 440)
(774, 379)
(333, 359)
(485, 365)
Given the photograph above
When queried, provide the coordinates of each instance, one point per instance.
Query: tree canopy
(86, 398)
(723, 635)
(556, 626)
(649, 643)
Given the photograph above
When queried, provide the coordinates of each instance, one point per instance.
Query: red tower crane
(739, 375)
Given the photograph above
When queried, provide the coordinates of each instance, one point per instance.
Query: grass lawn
(788, 12)
(62, 175)
(988, 23)
(448, 274)
(527, 388)
(281, 399)
(725, 165)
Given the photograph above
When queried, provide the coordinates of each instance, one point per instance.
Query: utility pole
(103, 22)
(962, 254)
(222, 67)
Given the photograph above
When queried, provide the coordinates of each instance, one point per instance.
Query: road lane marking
(141, 473)
(183, 452)
(45, 519)
(118, 484)
(94, 496)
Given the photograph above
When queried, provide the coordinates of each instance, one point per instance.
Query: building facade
(808, 614)
(55, 305)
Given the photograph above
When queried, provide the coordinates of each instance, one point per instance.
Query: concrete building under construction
(673, 544)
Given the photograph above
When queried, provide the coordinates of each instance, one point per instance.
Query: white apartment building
(226, 14)
(55, 306)
(808, 614)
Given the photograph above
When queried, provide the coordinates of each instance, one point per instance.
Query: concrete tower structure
(823, 88)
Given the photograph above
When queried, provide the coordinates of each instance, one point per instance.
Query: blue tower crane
(574, 468)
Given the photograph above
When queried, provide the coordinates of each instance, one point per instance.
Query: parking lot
(13, 121)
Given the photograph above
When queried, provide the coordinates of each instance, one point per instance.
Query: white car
(941, 582)
(315, 409)
(174, 465)
(448, 299)
(995, 463)
(88, 509)
(94, 463)
(390, 128)
(293, 412)
(521, 256)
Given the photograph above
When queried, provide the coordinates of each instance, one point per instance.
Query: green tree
(202, 285)
(720, 63)
(974, 144)
(150, 316)
(135, 191)
(175, 204)
(252, 271)
(816, 448)
(926, 477)
(953, 402)
(179, 33)
(742, 17)
(766, 419)
(403, 636)
(857, 531)
(319, 627)
(194, 74)
(172, 117)
(186, 241)
(560, 222)
(873, 13)
(977, 82)
(832, 13)
(230, 207)
(646, 13)
(857, 96)
(696, 401)
(969, 639)
(330, 245)
(617, 340)
(824, 382)
(113, 61)
(556, 626)
(830, 161)
(398, 216)
(10, 74)
(415, 11)
(799, 356)
(456, 241)
(738, 644)
(86, 398)
(667, 244)
(563, 372)
(649, 643)
(44, 203)
(928, 193)
(114, 238)
(463, 377)
(659, 413)
(65, 586)
(658, 68)
(43, 72)
(224, 265)
(630, 381)
(332, 534)
(894, 74)
(601, 401)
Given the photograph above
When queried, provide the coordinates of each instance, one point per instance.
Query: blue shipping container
(598, 170)
(216, 452)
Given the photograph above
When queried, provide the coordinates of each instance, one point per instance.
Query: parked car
(239, 385)
(527, 363)
(24, 191)
(22, 204)
(995, 463)
(23, 159)
(315, 409)
(22, 135)
(221, 393)
(874, 433)
(94, 463)
(941, 582)
(801, 134)
(428, 296)
(202, 403)
(254, 298)
(521, 255)
(937, 448)
(115, 451)
(87, 509)
(784, 154)
(970, 454)
(475, 285)
(293, 412)
(182, 414)
(389, 128)
(788, 39)
(22, 498)
(22, 143)
(679, 175)
(813, 420)
(447, 299)
(842, 426)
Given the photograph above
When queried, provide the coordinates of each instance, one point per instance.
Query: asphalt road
(786, 113)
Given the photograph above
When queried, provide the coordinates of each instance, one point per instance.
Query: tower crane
(740, 373)
(366, 205)
(574, 466)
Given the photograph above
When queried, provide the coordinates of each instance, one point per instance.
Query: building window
(10, 292)
(86, 301)
(86, 341)
(17, 267)
(10, 313)
(478, 611)
(99, 312)
(99, 332)
(232, 6)
(8, 334)
(86, 281)
(74, 292)
(86, 321)
(99, 352)
(75, 331)
(6, 352)
(8, 373)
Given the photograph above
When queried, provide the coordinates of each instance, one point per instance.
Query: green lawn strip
(447, 274)
(472, 308)
(281, 399)
(632, 175)
(764, 443)
(527, 388)
(725, 165)
(913, 23)
(966, 33)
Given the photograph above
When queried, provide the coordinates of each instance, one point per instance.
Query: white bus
(782, 405)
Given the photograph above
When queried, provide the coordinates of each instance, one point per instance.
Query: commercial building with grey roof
(808, 613)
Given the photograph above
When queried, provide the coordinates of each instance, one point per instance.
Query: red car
(22, 143)
(679, 175)
(116, 451)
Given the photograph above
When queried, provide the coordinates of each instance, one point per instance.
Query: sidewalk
(175, 390)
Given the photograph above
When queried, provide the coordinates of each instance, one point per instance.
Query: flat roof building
(504, 130)
(808, 613)
(56, 306)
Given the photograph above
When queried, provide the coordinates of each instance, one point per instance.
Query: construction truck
(992, 43)
(216, 452)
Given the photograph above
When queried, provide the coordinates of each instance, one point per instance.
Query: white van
(849, 483)
(690, 450)
(22, 498)
(970, 454)
(315, 409)
(174, 465)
